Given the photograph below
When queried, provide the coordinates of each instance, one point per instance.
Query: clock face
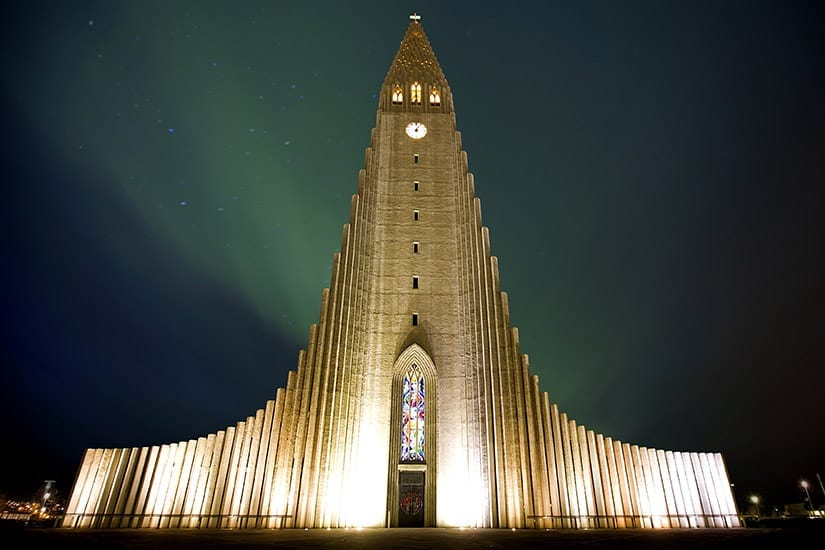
(416, 130)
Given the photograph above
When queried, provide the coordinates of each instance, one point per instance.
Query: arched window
(415, 93)
(397, 95)
(412, 415)
(435, 97)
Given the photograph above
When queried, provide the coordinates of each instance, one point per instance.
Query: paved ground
(417, 539)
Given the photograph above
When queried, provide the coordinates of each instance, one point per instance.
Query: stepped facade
(412, 404)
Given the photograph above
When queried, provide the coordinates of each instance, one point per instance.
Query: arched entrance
(413, 433)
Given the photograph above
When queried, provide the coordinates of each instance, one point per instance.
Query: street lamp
(755, 503)
(804, 484)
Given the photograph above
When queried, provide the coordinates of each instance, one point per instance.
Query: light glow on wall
(365, 488)
(462, 496)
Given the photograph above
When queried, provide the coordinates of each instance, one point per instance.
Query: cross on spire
(415, 17)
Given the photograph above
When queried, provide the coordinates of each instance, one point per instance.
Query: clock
(416, 130)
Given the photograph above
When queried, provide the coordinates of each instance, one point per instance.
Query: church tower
(412, 404)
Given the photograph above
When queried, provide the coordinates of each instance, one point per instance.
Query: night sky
(176, 176)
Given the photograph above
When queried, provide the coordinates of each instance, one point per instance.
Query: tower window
(415, 248)
(415, 93)
(415, 319)
(415, 281)
(435, 97)
(415, 158)
(415, 215)
(412, 415)
(415, 185)
(397, 95)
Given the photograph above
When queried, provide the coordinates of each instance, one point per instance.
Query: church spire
(415, 81)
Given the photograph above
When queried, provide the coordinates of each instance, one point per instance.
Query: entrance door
(411, 499)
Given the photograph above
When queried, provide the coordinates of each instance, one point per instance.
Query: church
(412, 404)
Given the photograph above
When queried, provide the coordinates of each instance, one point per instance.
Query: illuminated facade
(412, 404)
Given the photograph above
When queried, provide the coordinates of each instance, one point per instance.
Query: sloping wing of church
(412, 404)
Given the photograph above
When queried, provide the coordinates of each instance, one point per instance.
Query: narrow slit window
(397, 95)
(415, 185)
(415, 93)
(415, 248)
(415, 158)
(415, 319)
(435, 97)
(415, 215)
(415, 281)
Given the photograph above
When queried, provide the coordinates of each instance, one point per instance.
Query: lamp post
(755, 504)
(804, 484)
(46, 495)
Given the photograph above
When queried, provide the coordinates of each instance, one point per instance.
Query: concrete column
(704, 499)
(170, 490)
(114, 484)
(212, 493)
(656, 490)
(249, 467)
(228, 506)
(606, 487)
(197, 482)
(221, 490)
(710, 489)
(642, 480)
(72, 516)
(676, 490)
(154, 502)
(280, 506)
(688, 489)
(581, 513)
(628, 502)
(142, 509)
(126, 482)
(271, 461)
(561, 459)
(550, 432)
(97, 479)
(667, 488)
(131, 508)
(538, 455)
(725, 492)
(256, 521)
(184, 483)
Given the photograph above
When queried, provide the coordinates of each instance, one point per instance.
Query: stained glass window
(412, 416)
(415, 93)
